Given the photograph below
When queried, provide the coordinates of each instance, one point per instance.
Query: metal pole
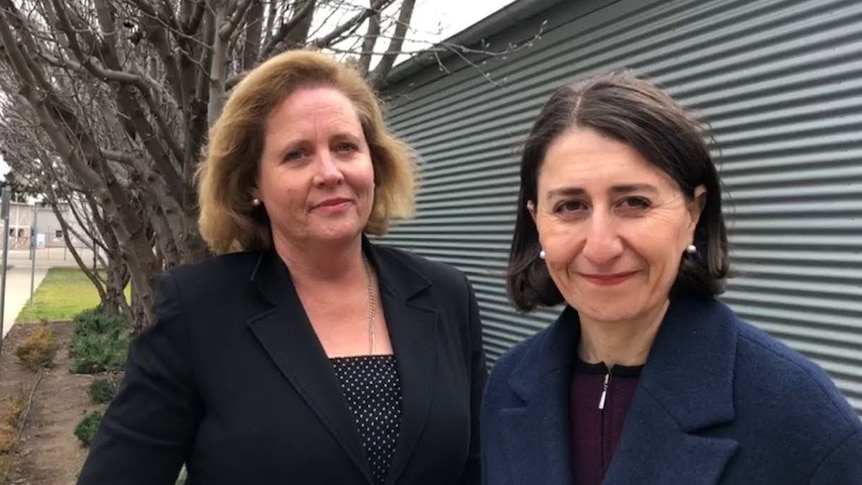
(4, 213)
(32, 226)
(33, 250)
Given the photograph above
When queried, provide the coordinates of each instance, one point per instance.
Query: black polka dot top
(373, 391)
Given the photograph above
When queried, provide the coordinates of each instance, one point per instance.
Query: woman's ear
(531, 208)
(696, 205)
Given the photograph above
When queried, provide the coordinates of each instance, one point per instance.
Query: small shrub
(103, 390)
(100, 353)
(92, 322)
(87, 428)
(38, 349)
(11, 411)
(97, 344)
(8, 439)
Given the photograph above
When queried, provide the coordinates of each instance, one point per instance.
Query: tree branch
(13, 53)
(253, 31)
(127, 103)
(298, 16)
(271, 14)
(369, 42)
(155, 26)
(121, 157)
(168, 15)
(328, 39)
(395, 44)
(229, 25)
(218, 65)
(193, 22)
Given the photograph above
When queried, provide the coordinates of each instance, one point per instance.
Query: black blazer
(232, 380)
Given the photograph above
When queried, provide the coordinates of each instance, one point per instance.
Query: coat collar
(396, 276)
(685, 387)
(287, 336)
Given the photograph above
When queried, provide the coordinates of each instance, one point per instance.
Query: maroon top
(596, 430)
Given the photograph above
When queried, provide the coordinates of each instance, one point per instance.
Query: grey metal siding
(780, 82)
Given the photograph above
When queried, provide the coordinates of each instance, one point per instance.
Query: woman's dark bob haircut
(641, 115)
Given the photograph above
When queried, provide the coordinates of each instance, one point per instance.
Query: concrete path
(18, 292)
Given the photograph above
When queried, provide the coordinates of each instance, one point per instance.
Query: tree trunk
(120, 95)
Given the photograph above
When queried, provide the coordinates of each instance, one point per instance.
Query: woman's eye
(569, 206)
(346, 147)
(638, 203)
(294, 155)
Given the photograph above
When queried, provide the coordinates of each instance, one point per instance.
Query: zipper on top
(604, 390)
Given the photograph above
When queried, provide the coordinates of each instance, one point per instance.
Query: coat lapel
(288, 338)
(653, 449)
(536, 434)
(286, 335)
(686, 387)
(411, 317)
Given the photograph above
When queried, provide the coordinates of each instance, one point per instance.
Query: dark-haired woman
(645, 377)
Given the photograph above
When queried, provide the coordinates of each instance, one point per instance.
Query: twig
(23, 421)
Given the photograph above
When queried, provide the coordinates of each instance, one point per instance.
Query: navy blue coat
(718, 402)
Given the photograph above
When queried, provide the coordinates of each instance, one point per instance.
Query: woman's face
(315, 176)
(613, 227)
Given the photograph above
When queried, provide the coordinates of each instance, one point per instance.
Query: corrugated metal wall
(779, 80)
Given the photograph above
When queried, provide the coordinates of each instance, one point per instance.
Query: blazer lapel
(686, 387)
(411, 318)
(536, 434)
(653, 449)
(286, 335)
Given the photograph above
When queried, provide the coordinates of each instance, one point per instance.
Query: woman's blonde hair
(228, 220)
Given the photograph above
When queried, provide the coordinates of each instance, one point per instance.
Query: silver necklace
(372, 304)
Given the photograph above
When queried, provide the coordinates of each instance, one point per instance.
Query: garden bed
(48, 452)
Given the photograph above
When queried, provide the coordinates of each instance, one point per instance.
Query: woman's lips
(333, 205)
(611, 279)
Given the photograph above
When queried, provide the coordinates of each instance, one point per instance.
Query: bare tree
(116, 96)
(42, 174)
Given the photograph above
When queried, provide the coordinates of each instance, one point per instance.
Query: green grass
(64, 293)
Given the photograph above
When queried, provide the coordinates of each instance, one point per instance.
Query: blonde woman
(303, 354)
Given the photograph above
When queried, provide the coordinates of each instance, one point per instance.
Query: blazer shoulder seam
(808, 373)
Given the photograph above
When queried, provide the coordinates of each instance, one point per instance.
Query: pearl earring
(255, 202)
(542, 254)
(691, 249)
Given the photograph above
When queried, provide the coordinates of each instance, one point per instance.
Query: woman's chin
(335, 235)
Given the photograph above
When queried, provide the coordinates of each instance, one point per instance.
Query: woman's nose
(327, 171)
(603, 244)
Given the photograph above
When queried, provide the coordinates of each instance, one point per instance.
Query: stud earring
(255, 202)
(542, 254)
(691, 249)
